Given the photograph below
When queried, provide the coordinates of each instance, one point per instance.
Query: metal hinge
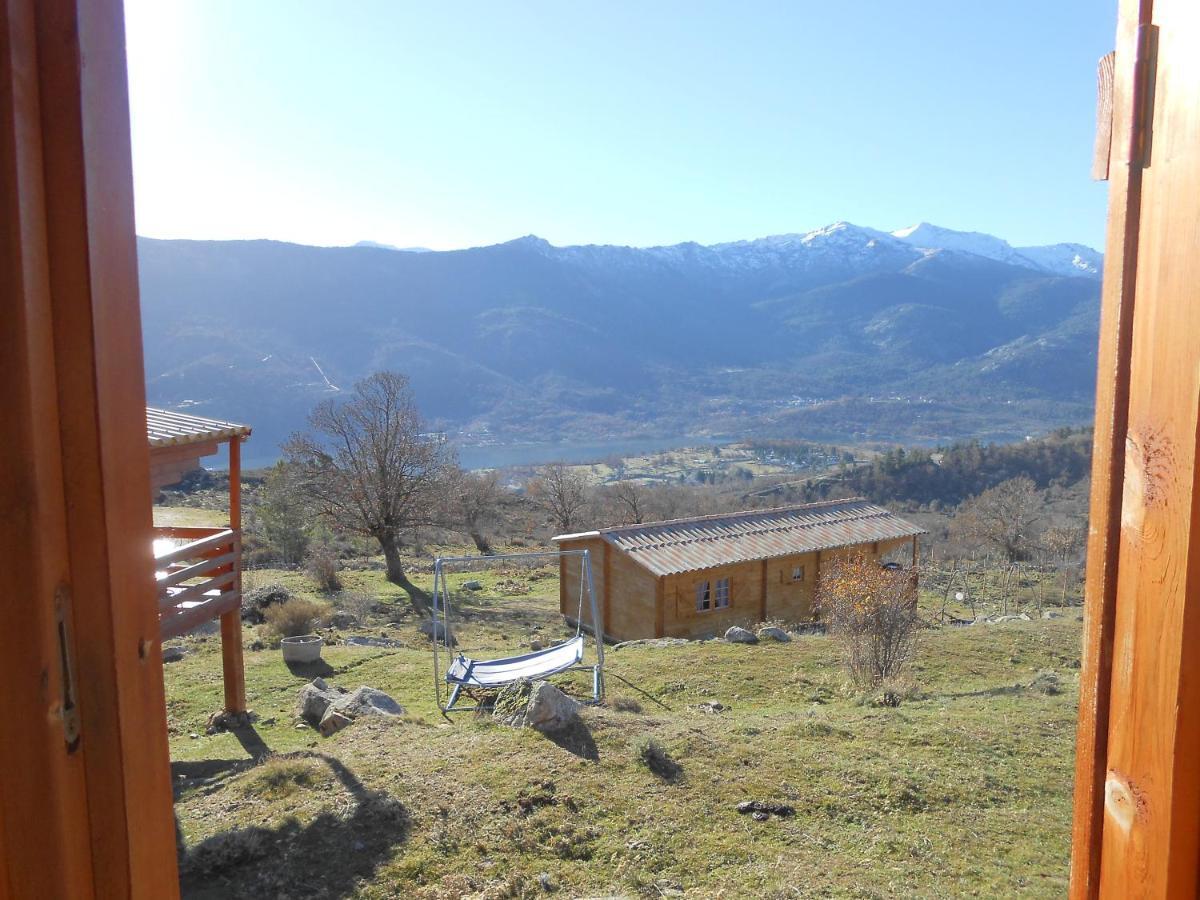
(69, 708)
(1145, 73)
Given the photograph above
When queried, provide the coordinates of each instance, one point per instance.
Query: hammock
(492, 673)
(465, 673)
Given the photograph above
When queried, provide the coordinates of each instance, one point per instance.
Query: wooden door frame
(85, 791)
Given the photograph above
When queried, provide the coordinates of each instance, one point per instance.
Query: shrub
(322, 565)
(294, 617)
(358, 603)
(626, 704)
(655, 757)
(872, 613)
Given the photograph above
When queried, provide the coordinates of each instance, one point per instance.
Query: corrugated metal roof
(685, 545)
(165, 428)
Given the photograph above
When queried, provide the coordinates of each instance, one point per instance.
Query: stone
(333, 721)
(173, 654)
(1046, 682)
(535, 645)
(314, 699)
(435, 630)
(1051, 614)
(367, 701)
(739, 635)
(712, 706)
(343, 620)
(760, 810)
(773, 633)
(472, 585)
(549, 709)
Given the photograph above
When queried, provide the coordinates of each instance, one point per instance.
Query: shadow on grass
(318, 669)
(1000, 691)
(326, 856)
(577, 738)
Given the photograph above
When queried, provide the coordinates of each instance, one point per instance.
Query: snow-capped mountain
(1060, 259)
(542, 342)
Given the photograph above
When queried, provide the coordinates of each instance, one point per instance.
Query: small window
(797, 573)
(703, 596)
(722, 593)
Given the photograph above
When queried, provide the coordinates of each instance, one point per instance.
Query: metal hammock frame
(460, 677)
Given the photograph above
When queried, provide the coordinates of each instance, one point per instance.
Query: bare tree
(1002, 517)
(1062, 543)
(369, 470)
(562, 493)
(631, 501)
(473, 500)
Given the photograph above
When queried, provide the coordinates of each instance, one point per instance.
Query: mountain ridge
(525, 340)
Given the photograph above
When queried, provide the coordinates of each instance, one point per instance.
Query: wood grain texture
(1104, 117)
(91, 250)
(1112, 408)
(1150, 845)
(43, 793)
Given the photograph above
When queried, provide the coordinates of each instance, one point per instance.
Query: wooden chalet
(696, 577)
(198, 570)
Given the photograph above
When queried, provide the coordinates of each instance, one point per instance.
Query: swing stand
(465, 675)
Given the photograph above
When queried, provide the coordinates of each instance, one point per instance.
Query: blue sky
(447, 124)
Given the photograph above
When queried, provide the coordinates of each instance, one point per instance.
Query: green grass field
(963, 790)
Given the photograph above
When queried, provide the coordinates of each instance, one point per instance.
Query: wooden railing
(197, 581)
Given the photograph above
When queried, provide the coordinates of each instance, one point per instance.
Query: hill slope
(844, 331)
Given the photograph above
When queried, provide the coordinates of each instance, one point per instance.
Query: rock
(1046, 682)
(547, 883)
(256, 601)
(343, 620)
(436, 631)
(760, 810)
(472, 585)
(1051, 614)
(1022, 617)
(550, 709)
(173, 654)
(333, 721)
(738, 635)
(228, 721)
(367, 701)
(535, 645)
(314, 699)
(773, 633)
(712, 706)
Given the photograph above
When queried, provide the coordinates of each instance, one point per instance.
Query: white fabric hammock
(493, 673)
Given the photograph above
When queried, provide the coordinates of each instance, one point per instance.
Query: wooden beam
(660, 604)
(232, 665)
(85, 793)
(1108, 458)
(1102, 150)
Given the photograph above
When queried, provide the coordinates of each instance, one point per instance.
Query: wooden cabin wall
(570, 569)
(682, 619)
(788, 600)
(631, 601)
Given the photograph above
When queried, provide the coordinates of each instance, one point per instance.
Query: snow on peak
(1058, 259)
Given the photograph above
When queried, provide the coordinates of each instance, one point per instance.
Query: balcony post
(233, 671)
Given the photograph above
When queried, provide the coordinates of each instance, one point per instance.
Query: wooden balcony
(198, 573)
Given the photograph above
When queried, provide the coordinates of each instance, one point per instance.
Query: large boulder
(773, 633)
(537, 705)
(549, 709)
(331, 709)
(739, 635)
(367, 701)
(472, 585)
(314, 700)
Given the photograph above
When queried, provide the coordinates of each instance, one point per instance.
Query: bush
(655, 757)
(358, 603)
(295, 617)
(322, 565)
(872, 613)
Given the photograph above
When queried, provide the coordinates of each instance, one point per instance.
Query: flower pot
(305, 648)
